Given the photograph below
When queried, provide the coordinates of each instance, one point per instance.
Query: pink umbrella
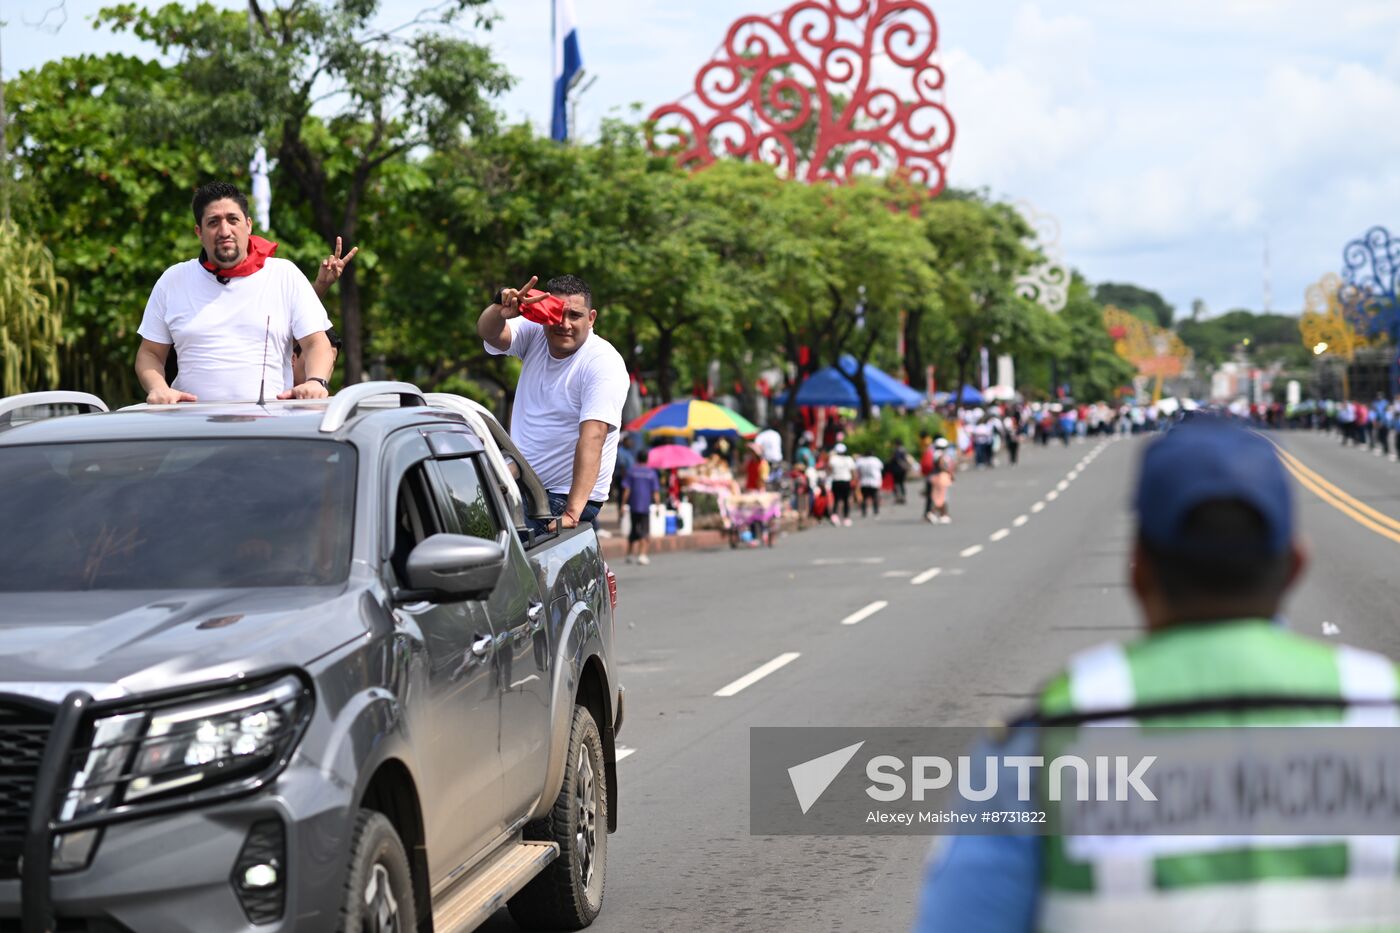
(673, 457)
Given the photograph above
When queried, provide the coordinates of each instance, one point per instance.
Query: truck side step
(483, 892)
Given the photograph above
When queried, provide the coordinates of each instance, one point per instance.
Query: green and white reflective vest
(1205, 883)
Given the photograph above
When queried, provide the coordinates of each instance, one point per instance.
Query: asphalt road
(1032, 569)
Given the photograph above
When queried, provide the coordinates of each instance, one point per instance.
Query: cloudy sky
(1171, 141)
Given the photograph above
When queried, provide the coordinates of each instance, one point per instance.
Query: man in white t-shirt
(232, 316)
(568, 404)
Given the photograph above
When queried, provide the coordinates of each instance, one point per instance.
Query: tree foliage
(1143, 302)
(376, 94)
(32, 302)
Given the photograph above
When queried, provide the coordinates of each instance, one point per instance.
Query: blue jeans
(557, 502)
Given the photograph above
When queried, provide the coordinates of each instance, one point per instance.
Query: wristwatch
(500, 296)
(324, 384)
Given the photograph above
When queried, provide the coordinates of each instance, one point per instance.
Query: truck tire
(379, 888)
(569, 893)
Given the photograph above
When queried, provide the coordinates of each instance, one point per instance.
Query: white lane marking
(1072, 475)
(926, 576)
(971, 551)
(1062, 485)
(1038, 506)
(837, 561)
(861, 615)
(1000, 533)
(891, 574)
(1329, 629)
(1020, 520)
(1051, 496)
(622, 752)
(754, 676)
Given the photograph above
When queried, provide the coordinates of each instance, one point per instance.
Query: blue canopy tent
(833, 387)
(970, 396)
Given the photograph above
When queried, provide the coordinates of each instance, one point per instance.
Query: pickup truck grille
(23, 734)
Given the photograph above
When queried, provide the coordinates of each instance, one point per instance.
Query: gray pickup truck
(297, 666)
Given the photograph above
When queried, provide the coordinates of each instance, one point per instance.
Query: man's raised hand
(331, 268)
(513, 299)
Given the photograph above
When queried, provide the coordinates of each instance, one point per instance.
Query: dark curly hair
(216, 191)
(570, 285)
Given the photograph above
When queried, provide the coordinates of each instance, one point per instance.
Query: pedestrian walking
(641, 487)
(938, 469)
(898, 470)
(842, 468)
(1214, 557)
(626, 459)
(871, 473)
(1011, 429)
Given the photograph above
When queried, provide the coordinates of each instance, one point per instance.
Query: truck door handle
(481, 647)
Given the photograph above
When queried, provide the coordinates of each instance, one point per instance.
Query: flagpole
(553, 52)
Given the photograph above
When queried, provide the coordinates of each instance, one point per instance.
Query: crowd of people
(833, 474)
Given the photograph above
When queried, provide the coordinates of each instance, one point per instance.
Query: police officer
(1215, 555)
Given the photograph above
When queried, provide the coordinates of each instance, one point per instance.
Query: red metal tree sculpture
(825, 90)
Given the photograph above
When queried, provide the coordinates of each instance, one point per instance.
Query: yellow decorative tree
(1157, 352)
(1326, 327)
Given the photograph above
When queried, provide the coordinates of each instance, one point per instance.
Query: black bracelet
(324, 383)
(500, 296)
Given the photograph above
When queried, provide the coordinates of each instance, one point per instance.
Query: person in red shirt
(755, 470)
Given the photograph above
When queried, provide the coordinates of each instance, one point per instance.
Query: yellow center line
(1382, 524)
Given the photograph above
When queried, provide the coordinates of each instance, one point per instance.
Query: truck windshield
(158, 515)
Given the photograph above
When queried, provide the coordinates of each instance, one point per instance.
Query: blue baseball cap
(1207, 460)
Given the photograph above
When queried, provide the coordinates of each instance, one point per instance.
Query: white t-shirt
(555, 396)
(223, 333)
(841, 467)
(871, 471)
(771, 442)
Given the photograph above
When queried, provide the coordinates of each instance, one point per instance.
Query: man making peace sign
(573, 383)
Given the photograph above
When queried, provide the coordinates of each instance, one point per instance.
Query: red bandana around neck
(258, 251)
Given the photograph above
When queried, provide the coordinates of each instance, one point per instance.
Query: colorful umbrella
(673, 457)
(686, 418)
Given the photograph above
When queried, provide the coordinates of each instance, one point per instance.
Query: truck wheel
(379, 889)
(569, 893)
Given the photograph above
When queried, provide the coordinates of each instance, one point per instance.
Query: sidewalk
(614, 546)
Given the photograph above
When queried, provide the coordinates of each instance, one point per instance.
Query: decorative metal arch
(825, 90)
(1371, 281)
(1048, 282)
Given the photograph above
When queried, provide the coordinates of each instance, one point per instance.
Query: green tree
(32, 301)
(980, 250)
(336, 98)
(112, 200)
(1094, 369)
(1144, 303)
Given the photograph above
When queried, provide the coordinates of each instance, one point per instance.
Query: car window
(184, 514)
(470, 506)
(414, 519)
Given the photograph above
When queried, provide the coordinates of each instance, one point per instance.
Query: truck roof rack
(348, 400)
(57, 399)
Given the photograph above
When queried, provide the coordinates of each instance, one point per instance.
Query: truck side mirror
(446, 568)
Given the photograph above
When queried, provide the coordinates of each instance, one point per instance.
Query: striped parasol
(682, 419)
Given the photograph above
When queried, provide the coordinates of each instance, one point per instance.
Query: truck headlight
(138, 755)
(217, 739)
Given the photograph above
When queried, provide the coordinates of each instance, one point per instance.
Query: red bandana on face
(258, 251)
(548, 312)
